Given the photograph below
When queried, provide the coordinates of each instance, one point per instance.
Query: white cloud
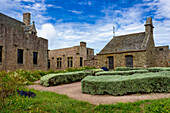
(76, 12)
(86, 3)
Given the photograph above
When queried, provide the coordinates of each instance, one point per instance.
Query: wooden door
(111, 62)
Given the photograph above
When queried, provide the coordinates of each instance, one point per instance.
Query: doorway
(111, 62)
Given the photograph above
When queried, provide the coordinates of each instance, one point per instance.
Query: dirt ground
(73, 90)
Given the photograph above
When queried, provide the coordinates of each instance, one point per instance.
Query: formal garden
(121, 81)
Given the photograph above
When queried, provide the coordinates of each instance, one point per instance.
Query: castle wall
(162, 56)
(13, 38)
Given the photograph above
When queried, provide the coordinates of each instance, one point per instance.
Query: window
(35, 57)
(81, 61)
(20, 56)
(129, 61)
(161, 49)
(0, 53)
(48, 64)
(70, 61)
(59, 63)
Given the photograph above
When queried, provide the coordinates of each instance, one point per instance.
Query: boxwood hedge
(64, 78)
(121, 72)
(158, 69)
(120, 85)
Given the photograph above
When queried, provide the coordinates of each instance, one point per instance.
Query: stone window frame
(35, 62)
(22, 56)
(59, 62)
(132, 57)
(49, 64)
(81, 62)
(69, 61)
(1, 53)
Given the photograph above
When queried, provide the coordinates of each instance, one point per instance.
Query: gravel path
(73, 90)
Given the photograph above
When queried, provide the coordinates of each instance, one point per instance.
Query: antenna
(113, 31)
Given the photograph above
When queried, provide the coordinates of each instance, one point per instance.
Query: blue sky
(67, 22)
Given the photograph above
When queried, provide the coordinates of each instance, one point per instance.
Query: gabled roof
(4, 19)
(122, 43)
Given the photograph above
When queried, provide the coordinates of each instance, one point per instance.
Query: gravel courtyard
(73, 90)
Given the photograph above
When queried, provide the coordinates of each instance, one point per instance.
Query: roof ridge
(130, 34)
(12, 18)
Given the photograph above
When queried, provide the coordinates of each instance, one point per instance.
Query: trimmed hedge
(158, 69)
(123, 68)
(128, 68)
(64, 78)
(94, 71)
(121, 72)
(121, 85)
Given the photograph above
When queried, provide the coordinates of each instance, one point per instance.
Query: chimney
(149, 26)
(26, 18)
(83, 44)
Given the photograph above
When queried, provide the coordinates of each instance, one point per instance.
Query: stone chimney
(26, 18)
(83, 44)
(149, 26)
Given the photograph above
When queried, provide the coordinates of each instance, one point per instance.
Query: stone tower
(26, 18)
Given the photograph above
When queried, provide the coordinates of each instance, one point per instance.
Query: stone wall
(139, 59)
(76, 52)
(162, 56)
(13, 38)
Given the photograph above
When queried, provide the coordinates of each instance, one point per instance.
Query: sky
(65, 23)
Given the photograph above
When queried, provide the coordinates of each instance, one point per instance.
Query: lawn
(49, 102)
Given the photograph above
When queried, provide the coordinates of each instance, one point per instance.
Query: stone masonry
(134, 50)
(60, 58)
(20, 45)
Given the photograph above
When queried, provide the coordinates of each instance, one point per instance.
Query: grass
(49, 102)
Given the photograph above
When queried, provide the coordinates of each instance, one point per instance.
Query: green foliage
(128, 68)
(9, 82)
(79, 69)
(123, 68)
(44, 102)
(158, 107)
(158, 69)
(64, 78)
(145, 106)
(120, 85)
(130, 72)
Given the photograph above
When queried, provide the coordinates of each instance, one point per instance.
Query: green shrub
(120, 85)
(9, 82)
(94, 71)
(62, 78)
(158, 69)
(79, 69)
(120, 72)
(123, 68)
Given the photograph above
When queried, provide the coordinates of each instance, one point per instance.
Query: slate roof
(130, 42)
(27, 28)
(4, 19)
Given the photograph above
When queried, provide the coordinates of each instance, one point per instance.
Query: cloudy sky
(67, 22)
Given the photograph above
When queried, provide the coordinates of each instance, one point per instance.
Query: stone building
(20, 47)
(73, 57)
(133, 50)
